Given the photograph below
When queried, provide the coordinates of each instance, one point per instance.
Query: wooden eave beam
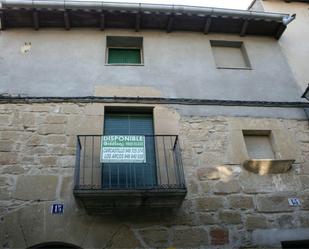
(35, 20)
(2, 17)
(170, 24)
(66, 18)
(138, 19)
(244, 27)
(102, 21)
(207, 25)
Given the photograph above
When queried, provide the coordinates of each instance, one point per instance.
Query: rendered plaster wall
(55, 62)
(293, 40)
(226, 206)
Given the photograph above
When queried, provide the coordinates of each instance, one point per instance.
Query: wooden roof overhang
(48, 14)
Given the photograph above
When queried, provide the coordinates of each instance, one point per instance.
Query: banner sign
(123, 149)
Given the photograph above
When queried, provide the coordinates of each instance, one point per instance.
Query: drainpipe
(306, 96)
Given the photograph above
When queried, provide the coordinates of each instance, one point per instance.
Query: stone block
(156, 237)
(208, 174)
(56, 139)
(206, 219)
(209, 203)
(230, 217)
(51, 129)
(6, 145)
(255, 222)
(70, 109)
(7, 158)
(240, 202)
(219, 236)
(28, 119)
(95, 109)
(253, 183)
(56, 119)
(273, 203)
(10, 135)
(11, 234)
(189, 237)
(304, 180)
(4, 119)
(66, 161)
(304, 220)
(66, 187)
(81, 124)
(286, 221)
(192, 187)
(35, 140)
(40, 108)
(205, 187)
(124, 238)
(304, 198)
(14, 170)
(228, 187)
(47, 161)
(36, 187)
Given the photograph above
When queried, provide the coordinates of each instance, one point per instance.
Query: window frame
(141, 53)
(231, 44)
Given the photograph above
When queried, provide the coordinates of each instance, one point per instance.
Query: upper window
(124, 50)
(230, 55)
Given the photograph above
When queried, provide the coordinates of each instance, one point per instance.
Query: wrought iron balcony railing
(163, 168)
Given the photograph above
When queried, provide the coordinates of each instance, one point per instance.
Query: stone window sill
(268, 166)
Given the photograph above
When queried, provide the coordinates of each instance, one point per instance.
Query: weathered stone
(70, 109)
(255, 222)
(273, 203)
(66, 161)
(189, 237)
(6, 145)
(4, 181)
(205, 187)
(7, 158)
(11, 233)
(286, 221)
(51, 129)
(304, 220)
(192, 187)
(227, 187)
(10, 135)
(56, 119)
(219, 236)
(207, 174)
(230, 217)
(36, 187)
(240, 202)
(56, 139)
(28, 119)
(207, 219)
(14, 169)
(209, 203)
(124, 238)
(304, 180)
(48, 161)
(4, 119)
(96, 109)
(40, 108)
(66, 187)
(253, 183)
(304, 201)
(155, 237)
(34, 140)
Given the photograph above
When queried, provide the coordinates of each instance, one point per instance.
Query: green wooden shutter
(124, 56)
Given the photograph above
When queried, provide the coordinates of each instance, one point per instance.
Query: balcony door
(130, 175)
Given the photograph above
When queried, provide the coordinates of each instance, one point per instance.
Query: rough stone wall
(225, 204)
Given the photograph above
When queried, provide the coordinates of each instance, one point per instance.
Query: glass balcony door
(130, 175)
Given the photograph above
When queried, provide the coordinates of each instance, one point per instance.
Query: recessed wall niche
(259, 144)
(262, 153)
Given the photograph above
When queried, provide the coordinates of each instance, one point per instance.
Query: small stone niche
(259, 144)
(262, 154)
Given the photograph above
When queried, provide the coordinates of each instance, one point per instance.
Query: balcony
(157, 183)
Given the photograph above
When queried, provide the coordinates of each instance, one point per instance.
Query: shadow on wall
(50, 245)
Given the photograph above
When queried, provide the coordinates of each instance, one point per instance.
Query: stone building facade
(242, 131)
